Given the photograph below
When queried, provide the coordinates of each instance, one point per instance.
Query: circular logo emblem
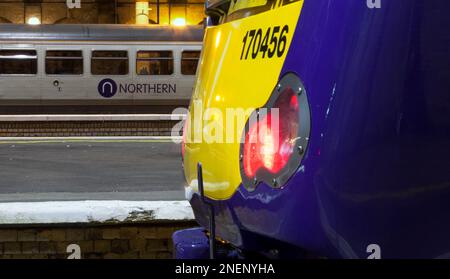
(107, 88)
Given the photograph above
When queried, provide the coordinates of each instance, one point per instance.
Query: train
(344, 151)
(97, 68)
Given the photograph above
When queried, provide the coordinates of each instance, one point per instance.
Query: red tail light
(276, 136)
(270, 142)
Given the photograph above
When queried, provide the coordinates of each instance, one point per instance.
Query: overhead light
(142, 14)
(34, 21)
(179, 21)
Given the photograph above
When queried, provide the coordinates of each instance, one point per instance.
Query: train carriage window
(64, 62)
(106, 62)
(18, 62)
(154, 63)
(189, 62)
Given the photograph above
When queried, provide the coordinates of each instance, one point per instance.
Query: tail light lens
(270, 141)
(276, 136)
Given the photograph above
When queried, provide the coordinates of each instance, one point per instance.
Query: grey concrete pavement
(90, 169)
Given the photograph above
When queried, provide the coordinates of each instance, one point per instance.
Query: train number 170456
(273, 42)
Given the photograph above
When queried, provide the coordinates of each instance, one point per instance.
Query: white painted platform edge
(91, 117)
(92, 211)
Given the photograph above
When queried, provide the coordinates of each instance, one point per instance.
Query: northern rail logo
(108, 88)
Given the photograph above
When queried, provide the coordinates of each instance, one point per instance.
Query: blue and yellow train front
(322, 129)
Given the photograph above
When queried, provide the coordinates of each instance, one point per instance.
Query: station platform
(91, 229)
(113, 197)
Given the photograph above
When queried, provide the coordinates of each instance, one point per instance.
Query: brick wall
(86, 128)
(127, 241)
(56, 11)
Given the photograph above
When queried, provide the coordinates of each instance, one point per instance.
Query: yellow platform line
(86, 141)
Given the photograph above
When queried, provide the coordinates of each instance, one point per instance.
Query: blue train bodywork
(376, 174)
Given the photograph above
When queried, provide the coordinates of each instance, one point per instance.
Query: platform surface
(90, 169)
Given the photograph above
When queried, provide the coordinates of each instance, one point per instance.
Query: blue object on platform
(191, 244)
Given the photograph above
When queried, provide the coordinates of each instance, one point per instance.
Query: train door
(19, 73)
(155, 73)
(63, 70)
(109, 74)
(167, 72)
(189, 56)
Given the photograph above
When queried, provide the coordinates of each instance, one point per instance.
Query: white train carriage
(97, 65)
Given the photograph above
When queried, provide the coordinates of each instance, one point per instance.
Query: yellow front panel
(225, 81)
